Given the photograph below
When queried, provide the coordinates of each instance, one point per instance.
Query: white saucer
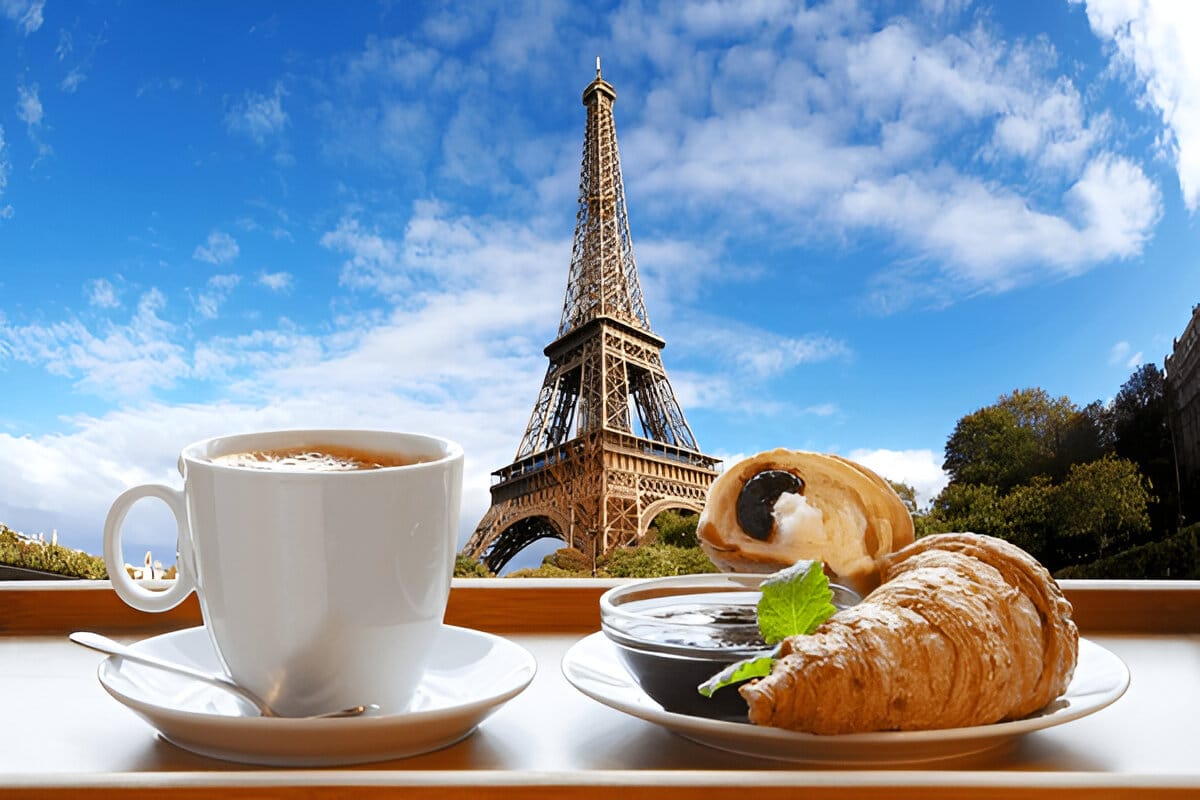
(470, 675)
(593, 667)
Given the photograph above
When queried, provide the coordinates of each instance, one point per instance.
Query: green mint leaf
(736, 673)
(795, 601)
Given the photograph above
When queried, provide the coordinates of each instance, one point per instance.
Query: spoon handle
(106, 645)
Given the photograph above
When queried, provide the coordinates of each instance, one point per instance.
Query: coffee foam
(315, 458)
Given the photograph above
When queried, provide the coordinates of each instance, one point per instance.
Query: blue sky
(854, 222)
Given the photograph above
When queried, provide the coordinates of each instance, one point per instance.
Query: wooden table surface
(61, 734)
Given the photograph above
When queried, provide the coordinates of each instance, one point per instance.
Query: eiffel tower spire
(603, 278)
(607, 446)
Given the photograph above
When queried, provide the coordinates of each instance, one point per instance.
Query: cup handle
(127, 589)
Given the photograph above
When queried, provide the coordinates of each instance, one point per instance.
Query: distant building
(1183, 406)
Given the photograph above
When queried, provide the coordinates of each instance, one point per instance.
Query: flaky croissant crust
(965, 630)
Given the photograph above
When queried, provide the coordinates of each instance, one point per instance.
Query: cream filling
(836, 538)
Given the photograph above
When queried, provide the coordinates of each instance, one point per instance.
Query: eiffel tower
(583, 472)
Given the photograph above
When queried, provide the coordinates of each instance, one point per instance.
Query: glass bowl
(672, 634)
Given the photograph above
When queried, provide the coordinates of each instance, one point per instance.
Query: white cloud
(899, 129)
(1050, 129)
(677, 271)
(26, 13)
(992, 239)
(374, 261)
(1160, 42)
(822, 410)
(920, 469)
(82, 56)
(219, 248)
(276, 281)
(450, 251)
(71, 80)
(30, 111)
(258, 116)
(397, 61)
(29, 105)
(1117, 206)
(5, 167)
(1122, 354)
(216, 291)
(116, 361)
(102, 294)
(67, 480)
(754, 353)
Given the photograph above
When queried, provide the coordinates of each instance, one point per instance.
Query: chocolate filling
(757, 500)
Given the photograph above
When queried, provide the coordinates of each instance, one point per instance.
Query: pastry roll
(965, 630)
(776, 508)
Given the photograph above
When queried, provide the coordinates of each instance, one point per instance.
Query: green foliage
(569, 559)
(675, 528)
(738, 672)
(566, 562)
(654, 560)
(964, 507)
(19, 552)
(650, 560)
(1024, 434)
(1069, 485)
(1140, 432)
(467, 567)
(1176, 557)
(1028, 513)
(547, 571)
(1100, 506)
(794, 602)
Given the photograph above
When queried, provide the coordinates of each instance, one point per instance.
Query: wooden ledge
(550, 605)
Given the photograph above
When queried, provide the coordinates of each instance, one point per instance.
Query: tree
(971, 507)
(654, 560)
(675, 528)
(1022, 435)
(1100, 508)
(1086, 437)
(467, 567)
(1028, 512)
(989, 447)
(1141, 433)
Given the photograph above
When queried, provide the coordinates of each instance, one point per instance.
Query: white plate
(470, 675)
(593, 667)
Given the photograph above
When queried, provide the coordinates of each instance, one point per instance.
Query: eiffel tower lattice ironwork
(583, 472)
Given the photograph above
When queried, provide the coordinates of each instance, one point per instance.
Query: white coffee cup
(320, 590)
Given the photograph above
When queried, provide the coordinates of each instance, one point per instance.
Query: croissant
(965, 630)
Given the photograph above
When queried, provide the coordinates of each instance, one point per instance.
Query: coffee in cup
(316, 458)
(321, 559)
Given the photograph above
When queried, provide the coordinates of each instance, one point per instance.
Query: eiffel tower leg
(484, 534)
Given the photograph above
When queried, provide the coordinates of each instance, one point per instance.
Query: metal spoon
(104, 644)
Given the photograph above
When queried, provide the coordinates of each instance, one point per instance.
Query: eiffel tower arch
(607, 446)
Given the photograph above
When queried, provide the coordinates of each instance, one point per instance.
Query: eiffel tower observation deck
(607, 447)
